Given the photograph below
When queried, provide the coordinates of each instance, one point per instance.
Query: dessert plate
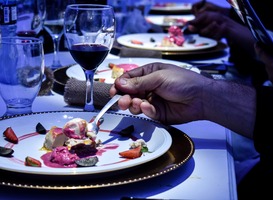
(152, 41)
(172, 7)
(105, 72)
(180, 152)
(169, 20)
(156, 136)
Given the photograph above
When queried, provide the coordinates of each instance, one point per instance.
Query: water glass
(22, 71)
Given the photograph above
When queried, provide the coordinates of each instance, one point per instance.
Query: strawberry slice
(136, 42)
(131, 153)
(29, 161)
(10, 135)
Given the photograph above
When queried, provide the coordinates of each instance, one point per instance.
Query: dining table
(208, 173)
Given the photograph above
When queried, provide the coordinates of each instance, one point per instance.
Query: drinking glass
(22, 71)
(53, 24)
(30, 14)
(89, 31)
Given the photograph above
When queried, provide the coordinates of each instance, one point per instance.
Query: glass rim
(12, 40)
(82, 6)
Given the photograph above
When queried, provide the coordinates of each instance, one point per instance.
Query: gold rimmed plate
(173, 155)
(172, 6)
(152, 41)
(169, 20)
(30, 142)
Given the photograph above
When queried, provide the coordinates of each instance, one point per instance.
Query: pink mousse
(127, 67)
(62, 156)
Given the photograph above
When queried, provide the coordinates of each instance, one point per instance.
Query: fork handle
(113, 100)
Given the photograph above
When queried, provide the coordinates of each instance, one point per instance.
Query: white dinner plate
(152, 41)
(172, 7)
(105, 72)
(157, 138)
(176, 20)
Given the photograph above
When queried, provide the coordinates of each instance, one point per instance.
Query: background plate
(159, 19)
(172, 7)
(105, 72)
(152, 41)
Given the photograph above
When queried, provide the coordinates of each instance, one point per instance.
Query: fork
(93, 126)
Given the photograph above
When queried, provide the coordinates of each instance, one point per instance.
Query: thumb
(136, 85)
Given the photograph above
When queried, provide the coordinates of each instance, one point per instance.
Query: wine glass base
(89, 108)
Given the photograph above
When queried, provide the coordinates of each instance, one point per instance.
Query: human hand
(200, 7)
(211, 24)
(163, 92)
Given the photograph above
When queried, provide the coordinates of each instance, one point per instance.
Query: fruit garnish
(131, 153)
(6, 151)
(111, 65)
(102, 80)
(136, 42)
(10, 135)
(40, 128)
(29, 161)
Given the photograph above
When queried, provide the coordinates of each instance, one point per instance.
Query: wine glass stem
(56, 45)
(89, 104)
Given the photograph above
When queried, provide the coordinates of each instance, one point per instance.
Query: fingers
(148, 109)
(209, 24)
(198, 7)
(137, 106)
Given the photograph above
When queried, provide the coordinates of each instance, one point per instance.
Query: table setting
(179, 160)
(197, 158)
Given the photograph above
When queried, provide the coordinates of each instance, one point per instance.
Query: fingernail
(123, 81)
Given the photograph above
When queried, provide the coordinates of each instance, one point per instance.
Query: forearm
(231, 105)
(244, 40)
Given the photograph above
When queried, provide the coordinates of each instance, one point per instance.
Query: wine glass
(53, 24)
(30, 15)
(89, 31)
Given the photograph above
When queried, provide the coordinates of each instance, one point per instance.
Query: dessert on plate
(119, 69)
(175, 37)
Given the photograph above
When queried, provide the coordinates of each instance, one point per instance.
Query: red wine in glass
(26, 33)
(89, 56)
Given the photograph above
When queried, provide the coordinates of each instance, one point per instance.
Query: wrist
(231, 105)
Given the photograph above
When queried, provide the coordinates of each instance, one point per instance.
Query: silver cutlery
(93, 126)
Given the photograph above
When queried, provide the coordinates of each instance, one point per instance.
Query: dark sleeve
(263, 130)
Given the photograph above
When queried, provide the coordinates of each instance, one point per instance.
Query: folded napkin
(74, 93)
(47, 83)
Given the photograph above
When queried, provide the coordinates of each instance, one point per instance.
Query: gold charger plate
(218, 50)
(179, 153)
